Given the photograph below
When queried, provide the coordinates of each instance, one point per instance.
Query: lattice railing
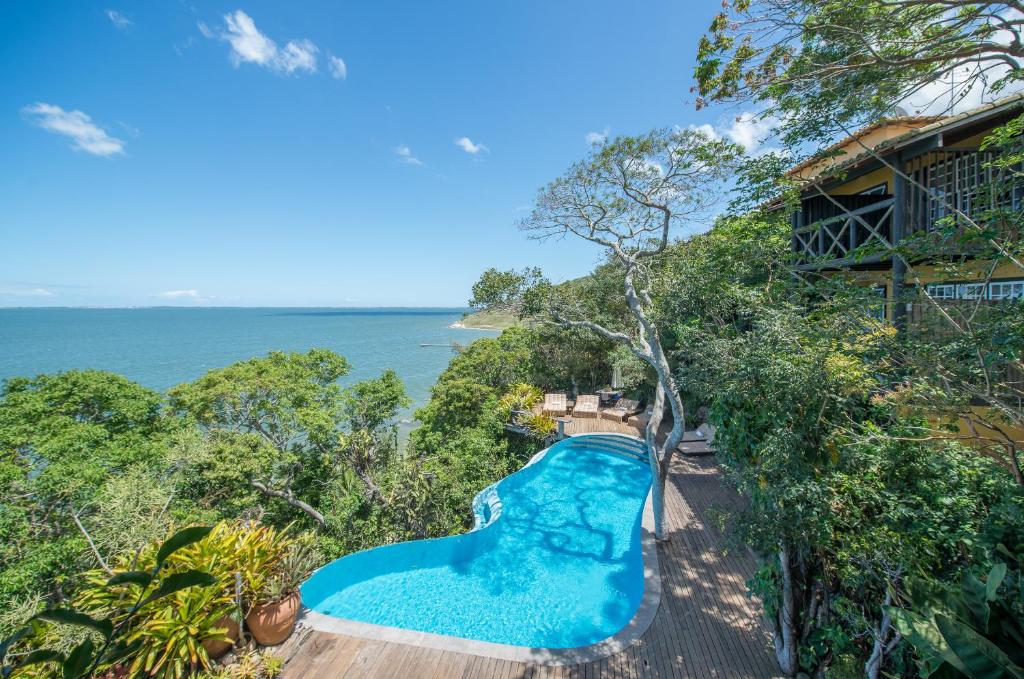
(836, 237)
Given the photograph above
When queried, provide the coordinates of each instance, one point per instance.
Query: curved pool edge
(628, 635)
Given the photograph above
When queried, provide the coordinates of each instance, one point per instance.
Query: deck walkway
(706, 626)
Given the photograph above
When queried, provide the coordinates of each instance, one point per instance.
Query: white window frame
(1011, 290)
(942, 290)
(972, 291)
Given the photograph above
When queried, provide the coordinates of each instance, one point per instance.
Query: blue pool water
(559, 566)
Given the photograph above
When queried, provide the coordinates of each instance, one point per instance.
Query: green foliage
(112, 639)
(975, 630)
(251, 665)
(521, 396)
(539, 426)
(822, 66)
(169, 632)
(68, 442)
(503, 290)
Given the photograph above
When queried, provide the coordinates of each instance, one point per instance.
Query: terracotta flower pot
(271, 624)
(215, 648)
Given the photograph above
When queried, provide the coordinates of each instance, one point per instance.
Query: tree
(66, 440)
(627, 197)
(821, 66)
(283, 410)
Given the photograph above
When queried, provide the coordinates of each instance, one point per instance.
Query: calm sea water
(161, 347)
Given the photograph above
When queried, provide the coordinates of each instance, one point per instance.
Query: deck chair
(640, 420)
(586, 406)
(554, 404)
(621, 411)
(698, 442)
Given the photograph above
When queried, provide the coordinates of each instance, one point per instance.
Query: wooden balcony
(840, 225)
(942, 187)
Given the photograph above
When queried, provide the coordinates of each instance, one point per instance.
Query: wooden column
(896, 233)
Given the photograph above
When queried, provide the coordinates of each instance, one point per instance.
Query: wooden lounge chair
(554, 405)
(586, 406)
(640, 420)
(621, 411)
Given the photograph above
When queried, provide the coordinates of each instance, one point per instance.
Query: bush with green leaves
(112, 642)
(975, 629)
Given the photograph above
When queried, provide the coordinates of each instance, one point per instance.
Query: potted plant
(276, 608)
(215, 648)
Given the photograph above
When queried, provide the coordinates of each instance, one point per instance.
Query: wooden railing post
(899, 266)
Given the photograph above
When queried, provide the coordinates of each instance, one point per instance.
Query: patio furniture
(609, 396)
(621, 411)
(554, 404)
(640, 420)
(586, 406)
(698, 442)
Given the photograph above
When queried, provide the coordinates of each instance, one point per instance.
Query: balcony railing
(944, 187)
(841, 224)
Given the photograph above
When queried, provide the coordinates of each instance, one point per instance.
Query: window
(1006, 290)
(942, 290)
(996, 290)
(970, 291)
(877, 311)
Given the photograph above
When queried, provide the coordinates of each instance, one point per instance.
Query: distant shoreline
(55, 307)
(459, 325)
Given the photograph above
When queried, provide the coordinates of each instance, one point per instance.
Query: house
(852, 200)
(855, 207)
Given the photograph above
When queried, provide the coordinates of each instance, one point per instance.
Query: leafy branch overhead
(821, 66)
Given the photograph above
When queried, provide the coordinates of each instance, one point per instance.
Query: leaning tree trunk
(650, 351)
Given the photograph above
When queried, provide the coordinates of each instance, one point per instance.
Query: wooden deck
(588, 425)
(706, 626)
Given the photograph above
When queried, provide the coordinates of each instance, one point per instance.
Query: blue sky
(322, 153)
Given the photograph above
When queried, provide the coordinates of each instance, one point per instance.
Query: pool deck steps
(705, 625)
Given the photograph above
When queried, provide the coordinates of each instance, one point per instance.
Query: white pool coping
(621, 640)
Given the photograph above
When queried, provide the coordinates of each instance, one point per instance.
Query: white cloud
(706, 129)
(954, 92)
(87, 136)
(748, 130)
(181, 294)
(969, 86)
(404, 154)
(249, 45)
(337, 67)
(119, 20)
(299, 55)
(26, 292)
(467, 145)
(597, 138)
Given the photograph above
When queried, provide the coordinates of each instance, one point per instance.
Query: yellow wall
(854, 147)
(865, 182)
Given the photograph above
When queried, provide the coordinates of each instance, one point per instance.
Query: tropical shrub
(521, 396)
(538, 425)
(972, 630)
(132, 595)
(251, 665)
(169, 636)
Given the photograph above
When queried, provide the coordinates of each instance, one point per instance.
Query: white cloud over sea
(85, 135)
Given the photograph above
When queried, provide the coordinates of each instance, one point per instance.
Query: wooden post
(896, 233)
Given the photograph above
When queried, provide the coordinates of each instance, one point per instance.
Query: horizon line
(210, 306)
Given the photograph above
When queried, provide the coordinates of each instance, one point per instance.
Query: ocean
(162, 347)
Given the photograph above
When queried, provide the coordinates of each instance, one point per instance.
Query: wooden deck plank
(706, 626)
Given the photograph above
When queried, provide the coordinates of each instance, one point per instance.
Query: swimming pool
(556, 560)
